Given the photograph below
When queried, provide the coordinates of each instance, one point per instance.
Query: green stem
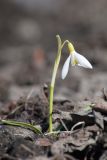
(21, 124)
(51, 108)
(55, 69)
(64, 43)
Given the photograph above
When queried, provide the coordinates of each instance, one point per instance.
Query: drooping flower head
(75, 59)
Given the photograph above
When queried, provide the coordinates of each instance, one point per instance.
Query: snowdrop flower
(75, 59)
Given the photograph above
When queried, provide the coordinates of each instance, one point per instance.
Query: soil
(27, 52)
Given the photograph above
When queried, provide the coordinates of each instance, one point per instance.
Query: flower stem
(52, 85)
(51, 108)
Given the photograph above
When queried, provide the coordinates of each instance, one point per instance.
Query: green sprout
(75, 59)
(21, 124)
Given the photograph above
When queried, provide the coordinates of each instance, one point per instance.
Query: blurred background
(28, 46)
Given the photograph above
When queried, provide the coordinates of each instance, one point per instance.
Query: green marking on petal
(74, 61)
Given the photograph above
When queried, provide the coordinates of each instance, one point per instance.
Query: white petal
(66, 67)
(82, 61)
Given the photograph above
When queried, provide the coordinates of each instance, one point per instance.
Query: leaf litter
(81, 130)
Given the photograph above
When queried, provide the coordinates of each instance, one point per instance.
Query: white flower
(75, 59)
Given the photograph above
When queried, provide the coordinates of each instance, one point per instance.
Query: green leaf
(21, 124)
